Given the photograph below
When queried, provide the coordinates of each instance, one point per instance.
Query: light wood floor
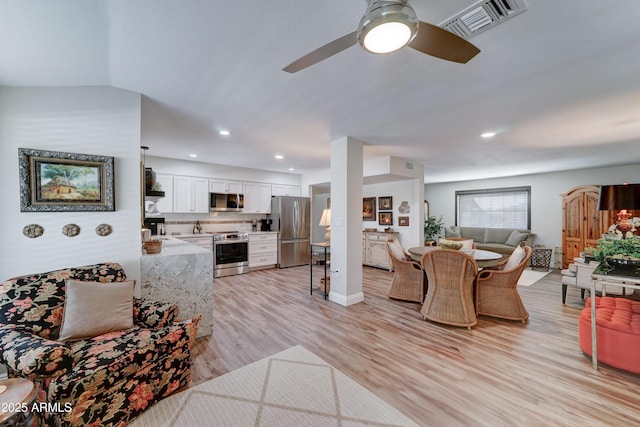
(500, 373)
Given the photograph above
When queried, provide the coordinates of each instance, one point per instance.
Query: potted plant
(621, 255)
(432, 228)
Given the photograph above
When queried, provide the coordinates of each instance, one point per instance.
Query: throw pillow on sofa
(95, 308)
(452, 231)
(516, 237)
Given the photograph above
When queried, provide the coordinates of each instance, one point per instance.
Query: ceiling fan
(387, 26)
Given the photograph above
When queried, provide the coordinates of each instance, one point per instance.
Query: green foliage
(432, 226)
(617, 248)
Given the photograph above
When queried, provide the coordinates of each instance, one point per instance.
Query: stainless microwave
(222, 202)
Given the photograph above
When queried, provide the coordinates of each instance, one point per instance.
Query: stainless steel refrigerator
(291, 219)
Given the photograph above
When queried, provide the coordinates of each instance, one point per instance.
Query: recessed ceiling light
(193, 155)
(279, 156)
(487, 135)
(291, 169)
(225, 132)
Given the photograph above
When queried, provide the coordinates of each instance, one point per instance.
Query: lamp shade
(618, 197)
(325, 220)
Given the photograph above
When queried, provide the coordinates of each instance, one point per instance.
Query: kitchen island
(182, 274)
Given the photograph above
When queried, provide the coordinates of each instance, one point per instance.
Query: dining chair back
(408, 280)
(497, 290)
(450, 277)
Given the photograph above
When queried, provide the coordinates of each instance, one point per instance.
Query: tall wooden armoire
(582, 223)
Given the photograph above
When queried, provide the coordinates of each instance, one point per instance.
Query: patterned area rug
(292, 388)
(529, 276)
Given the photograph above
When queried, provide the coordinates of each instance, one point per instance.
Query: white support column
(346, 221)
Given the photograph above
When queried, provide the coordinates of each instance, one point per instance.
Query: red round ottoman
(618, 332)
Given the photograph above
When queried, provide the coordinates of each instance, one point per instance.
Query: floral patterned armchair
(105, 380)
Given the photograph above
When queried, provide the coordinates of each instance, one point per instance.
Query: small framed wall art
(369, 209)
(403, 221)
(52, 181)
(385, 203)
(385, 218)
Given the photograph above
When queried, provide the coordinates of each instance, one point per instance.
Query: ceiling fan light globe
(387, 37)
(387, 27)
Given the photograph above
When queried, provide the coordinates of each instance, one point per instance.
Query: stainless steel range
(230, 253)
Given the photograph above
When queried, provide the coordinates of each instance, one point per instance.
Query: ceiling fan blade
(443, 44)
(322, 53)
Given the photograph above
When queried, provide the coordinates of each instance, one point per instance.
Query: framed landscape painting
(52, 181)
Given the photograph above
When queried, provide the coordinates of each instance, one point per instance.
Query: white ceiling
(560, 83)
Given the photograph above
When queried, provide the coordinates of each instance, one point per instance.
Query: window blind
(495, 208)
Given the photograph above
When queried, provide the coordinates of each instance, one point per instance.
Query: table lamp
(325, 221)
(621, 198)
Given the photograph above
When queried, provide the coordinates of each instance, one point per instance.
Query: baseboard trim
(346, 300)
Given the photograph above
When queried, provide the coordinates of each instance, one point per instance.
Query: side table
(325, 246)
(16, 401)
(540, 258)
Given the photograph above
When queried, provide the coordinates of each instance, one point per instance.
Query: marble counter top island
(182, 274)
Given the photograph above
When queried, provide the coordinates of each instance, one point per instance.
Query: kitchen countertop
(173, 246)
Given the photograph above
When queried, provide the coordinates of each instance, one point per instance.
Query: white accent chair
(579, 274)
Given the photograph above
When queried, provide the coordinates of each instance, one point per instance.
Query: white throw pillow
(516, 258)
(94, 308)
(396, 249)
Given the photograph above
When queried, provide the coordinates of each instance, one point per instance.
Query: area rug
(292, 388)
(529, 276)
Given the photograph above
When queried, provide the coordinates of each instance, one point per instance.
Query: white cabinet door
(225, 186)
(374, 251)
(257, 197)
(234, 187)
(264, 198)
(165, 205)
(190, 194)
(250, 191)
(200, 194)
(182, 194)
(285, 190)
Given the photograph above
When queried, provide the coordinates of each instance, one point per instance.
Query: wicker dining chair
(449, 300)
(497, 290)
(408, 280)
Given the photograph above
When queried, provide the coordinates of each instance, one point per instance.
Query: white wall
(87, 120)
(546, 190)
(400, 191)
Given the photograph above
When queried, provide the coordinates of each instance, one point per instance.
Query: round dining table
(483, 257)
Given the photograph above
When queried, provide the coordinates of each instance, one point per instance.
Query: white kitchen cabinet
(257, 197)
(225, 186)
(165, 204)
(190, 194)
(263, 250)
(285, 190)
(375, 250)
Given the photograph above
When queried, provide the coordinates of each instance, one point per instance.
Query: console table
(325, 246)
(603, 280)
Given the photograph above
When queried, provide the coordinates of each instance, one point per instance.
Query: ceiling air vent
(482, 16)
(408, 165)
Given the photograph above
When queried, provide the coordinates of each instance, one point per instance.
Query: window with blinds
(495, 208)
